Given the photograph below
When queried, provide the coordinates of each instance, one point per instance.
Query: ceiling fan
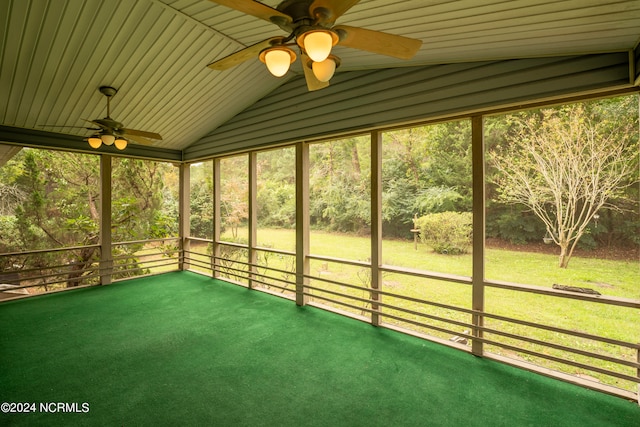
(311, 24)
(112, 132)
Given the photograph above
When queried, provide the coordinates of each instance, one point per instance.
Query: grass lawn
(609, 277)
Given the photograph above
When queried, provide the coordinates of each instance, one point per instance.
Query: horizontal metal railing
(62, 275)
(338, 260)
(408, 313)
(605, 299)
(125, 267)
(486, 329)
(333, 293)
(275, 251)
(50, 277)
(59, 270)
(190, 258)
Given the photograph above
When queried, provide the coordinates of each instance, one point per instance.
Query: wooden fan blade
(63, 126)
(378, 42)
(312, 82)
(327, 11)
(101, 126)
(131, 133)
(138, 139)
(256, 9)
(243, 55)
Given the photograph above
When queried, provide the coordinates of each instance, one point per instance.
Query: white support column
(253, 216)
(215, 264)
(376, 225)
(184, 216)
(302, 221)
(106, 253)
(477, 156)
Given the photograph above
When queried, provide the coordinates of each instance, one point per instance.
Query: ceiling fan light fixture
(120, 143)
(278, 59)
(325, 70)
(318, 43)
(108, 139)
(94, 141)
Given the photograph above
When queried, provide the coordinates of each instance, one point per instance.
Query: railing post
(376, 225)
(106, 250)
(184, 215)
(253, 217)
(215, 252)
(477, 299)
(302, 221)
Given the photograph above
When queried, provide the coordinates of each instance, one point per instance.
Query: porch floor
(184, 349)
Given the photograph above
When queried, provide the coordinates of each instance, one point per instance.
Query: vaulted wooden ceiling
(55, 54)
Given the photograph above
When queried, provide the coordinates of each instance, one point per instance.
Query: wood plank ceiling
(55, 54)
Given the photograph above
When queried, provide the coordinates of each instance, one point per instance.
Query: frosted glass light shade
(121, 143)
(108, 139)
(324, 70)
(318, 44)
(94, 142)
(278, 60)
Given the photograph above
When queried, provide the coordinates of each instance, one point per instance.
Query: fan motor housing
(108, 90)
(300, 13)
(296, 9)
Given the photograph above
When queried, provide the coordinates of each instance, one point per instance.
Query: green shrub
(514, 224)
(446, 232)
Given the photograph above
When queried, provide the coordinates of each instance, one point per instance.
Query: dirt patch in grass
(602, 284)
(612, 253)
(392, 283)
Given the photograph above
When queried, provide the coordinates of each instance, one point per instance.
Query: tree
(339, 189)
(234, 194)
(276, 181)
(53, 202)
(567, 164)
(425, 169)
(201, 208)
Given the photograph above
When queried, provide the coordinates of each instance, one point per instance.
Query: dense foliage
(55, 204)
(50, 199)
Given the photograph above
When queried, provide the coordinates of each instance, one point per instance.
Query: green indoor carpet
(182, 349)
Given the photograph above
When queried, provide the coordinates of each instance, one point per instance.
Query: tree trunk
(563, 261)
(355, 159)
(85, 259)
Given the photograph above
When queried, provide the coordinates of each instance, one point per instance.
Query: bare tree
(565, 166)
(10, 196)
